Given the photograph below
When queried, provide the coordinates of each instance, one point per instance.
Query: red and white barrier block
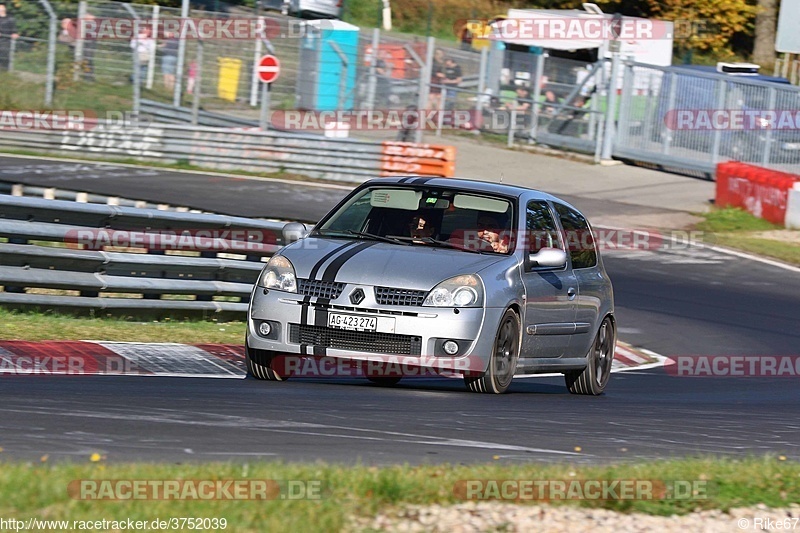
(768, 194)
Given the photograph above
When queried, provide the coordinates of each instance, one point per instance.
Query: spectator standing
(437, 77)
(452, 79)
(144, 47)
(169, 60)
(8, 32)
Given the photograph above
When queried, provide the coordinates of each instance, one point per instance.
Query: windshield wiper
(431, 240)
(362, 234)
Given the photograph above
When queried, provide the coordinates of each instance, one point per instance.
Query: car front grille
(392, 296)
(320, 289)
(358, 341)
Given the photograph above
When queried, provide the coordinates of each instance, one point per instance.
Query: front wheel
(259, 364)
(503, 362)
(593, 379)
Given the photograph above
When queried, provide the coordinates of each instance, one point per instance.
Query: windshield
(421, 216)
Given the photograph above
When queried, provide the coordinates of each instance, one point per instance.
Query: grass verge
(40, 489)
(736, 228)
(35, 326)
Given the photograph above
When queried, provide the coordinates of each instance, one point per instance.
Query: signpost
(268, 70)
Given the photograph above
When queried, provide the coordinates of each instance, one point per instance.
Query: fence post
(611, 108)
(198, 84)
(673, 91)
(625, 108)
(51, 53)
(256, 57)
(773, 96)
(372, 80)
(537, 95)
(76, 71)
(512, 125)
(481, 86)
(137, 73)
(151, 65)
(721, 91)
(177, 93)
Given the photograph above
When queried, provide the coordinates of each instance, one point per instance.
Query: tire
(593, 379)
(259, 364)
(385, 381)
(503, 362)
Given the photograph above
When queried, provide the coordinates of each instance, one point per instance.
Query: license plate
(352, 322)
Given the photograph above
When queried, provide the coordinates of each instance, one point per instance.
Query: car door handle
(571, 292)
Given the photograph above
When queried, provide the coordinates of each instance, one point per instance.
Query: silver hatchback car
(480, 279)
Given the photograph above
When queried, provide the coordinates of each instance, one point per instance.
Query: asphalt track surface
(678, 301)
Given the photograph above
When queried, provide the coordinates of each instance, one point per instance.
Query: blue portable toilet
(323, 83)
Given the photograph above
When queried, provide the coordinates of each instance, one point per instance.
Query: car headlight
(460, 291)
(278, 275)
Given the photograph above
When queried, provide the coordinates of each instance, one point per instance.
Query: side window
(578, 236)
(541, 229)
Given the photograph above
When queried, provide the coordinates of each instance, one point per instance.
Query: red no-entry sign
(269, 67)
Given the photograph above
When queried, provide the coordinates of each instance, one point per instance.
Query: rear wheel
(259, 364)
(593, 379)
(503, 362)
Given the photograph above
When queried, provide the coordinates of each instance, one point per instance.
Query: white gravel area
(491, 516)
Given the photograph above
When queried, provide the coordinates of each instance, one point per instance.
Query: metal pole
(611, 107)
(422, 83)
(176, 95)
(256, 57)
(511, 127)
(11, 51)
(627, 97)
(440, 117)
(76, 72)
(263, 121)
(481, 83)
(721, 90)
(537, 95)
(673, 91)
(51, 53)
(773, 95)
(151, 65)
(198, 84)
(137, 74)
(373, 58)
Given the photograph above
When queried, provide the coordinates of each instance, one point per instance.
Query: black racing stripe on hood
(312, 275)
(336, 265)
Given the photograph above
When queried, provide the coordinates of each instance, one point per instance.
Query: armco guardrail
(254, 151)
(64, 254)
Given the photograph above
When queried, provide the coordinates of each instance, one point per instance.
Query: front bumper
(407, 335)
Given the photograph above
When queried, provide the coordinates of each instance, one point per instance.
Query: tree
(766, 22)
(705, 25)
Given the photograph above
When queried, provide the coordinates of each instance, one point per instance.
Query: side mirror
(294, 231)
(548, 257)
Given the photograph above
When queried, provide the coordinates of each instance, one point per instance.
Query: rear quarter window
(578, 236)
